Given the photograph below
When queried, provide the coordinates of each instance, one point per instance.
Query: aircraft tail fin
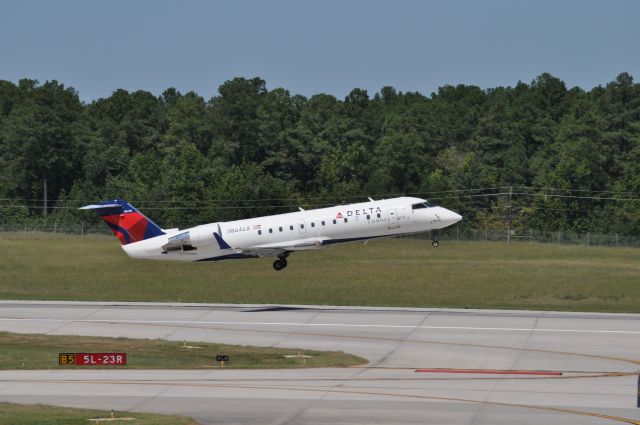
(127, 223)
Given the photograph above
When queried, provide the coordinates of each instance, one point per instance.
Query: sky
(310, 47)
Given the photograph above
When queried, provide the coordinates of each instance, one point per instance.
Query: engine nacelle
(190, 240)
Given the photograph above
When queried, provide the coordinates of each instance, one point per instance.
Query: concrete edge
(107, 304)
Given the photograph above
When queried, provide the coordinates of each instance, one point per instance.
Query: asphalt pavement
(435, 366)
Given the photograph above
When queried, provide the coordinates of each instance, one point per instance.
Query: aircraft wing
(261, 252)
(269, 250)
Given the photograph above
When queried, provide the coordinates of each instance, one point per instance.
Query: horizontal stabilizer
(99, 206)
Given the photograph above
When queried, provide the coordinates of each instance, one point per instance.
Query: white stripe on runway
(335, 325)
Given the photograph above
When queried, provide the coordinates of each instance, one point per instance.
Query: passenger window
(334, 221)
(302, 226)
(313, 224)
(259, 232)
(368, 217)
(378, 215)
(291, 227)
(323, 222)
(270, 230)
(280, 228)
(345, 219)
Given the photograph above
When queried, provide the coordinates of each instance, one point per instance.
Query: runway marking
(336, 325)
(198, 381)
(362, 337)
(493, 403)
(195, 324)
(335, 390)
(461, 400)
(493, 372)
(247, 324)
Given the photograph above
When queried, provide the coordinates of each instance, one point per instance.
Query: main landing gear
(281, 262)
(434, 240)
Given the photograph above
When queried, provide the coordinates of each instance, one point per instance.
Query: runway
(504, 367)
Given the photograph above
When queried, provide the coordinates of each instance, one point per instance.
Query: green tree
(236, 124)
(39, 140)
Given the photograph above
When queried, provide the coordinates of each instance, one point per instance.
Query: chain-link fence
(454, 233)
(457, 233)
(51, 229)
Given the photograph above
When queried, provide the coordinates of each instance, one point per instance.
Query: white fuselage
(312, 229)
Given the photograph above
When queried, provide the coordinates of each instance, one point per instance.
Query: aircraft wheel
(279, 265)
(435, 244)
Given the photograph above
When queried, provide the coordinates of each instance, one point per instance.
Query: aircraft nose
(450, 217)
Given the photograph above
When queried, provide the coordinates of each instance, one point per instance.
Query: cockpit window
(425, 204)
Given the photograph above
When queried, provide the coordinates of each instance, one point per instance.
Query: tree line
(539, 155)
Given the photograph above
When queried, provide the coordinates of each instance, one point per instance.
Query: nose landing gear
(281, 262)
(434, 240)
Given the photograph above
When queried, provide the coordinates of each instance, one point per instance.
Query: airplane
(275, 235)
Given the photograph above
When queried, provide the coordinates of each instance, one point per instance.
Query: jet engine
(189, 240)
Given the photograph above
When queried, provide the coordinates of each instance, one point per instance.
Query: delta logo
(363, 211)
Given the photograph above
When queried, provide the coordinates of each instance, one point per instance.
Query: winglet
(221, 242)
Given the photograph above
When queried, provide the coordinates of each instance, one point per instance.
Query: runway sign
(92, 359)
(222, 358)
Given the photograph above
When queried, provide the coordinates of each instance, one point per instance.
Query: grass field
(28, 351)
(21, 414)
(395, 272)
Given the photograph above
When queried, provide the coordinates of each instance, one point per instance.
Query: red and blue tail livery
(127, 223)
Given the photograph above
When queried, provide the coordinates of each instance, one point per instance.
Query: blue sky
(318, 46)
